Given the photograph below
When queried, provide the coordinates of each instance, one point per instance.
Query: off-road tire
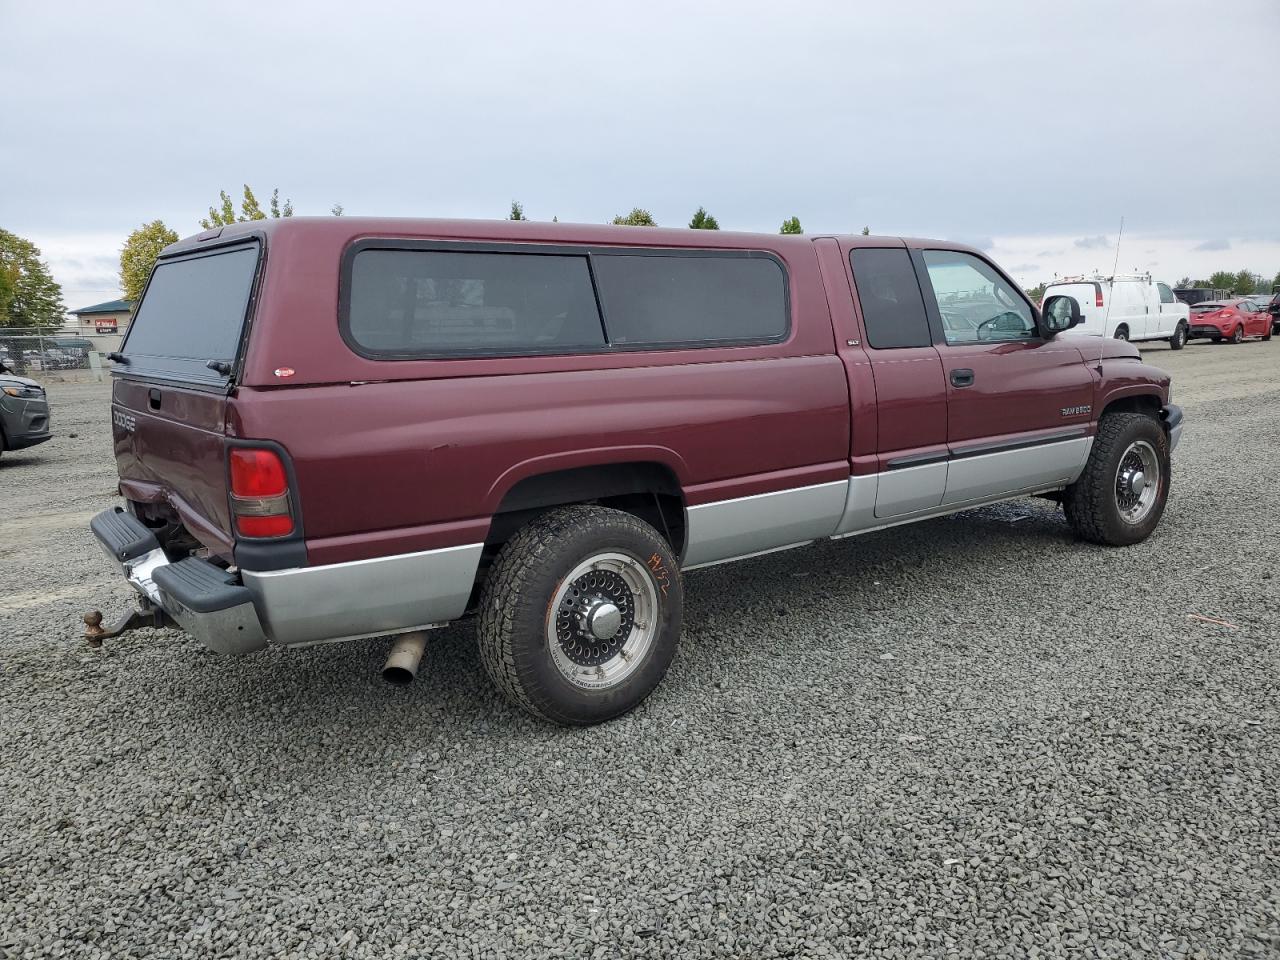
(1179, 338)
(515, 606)
(1090, 503)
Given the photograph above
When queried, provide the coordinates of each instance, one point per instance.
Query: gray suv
(24, 412)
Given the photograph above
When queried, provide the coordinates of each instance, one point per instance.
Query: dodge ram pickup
(341, 427)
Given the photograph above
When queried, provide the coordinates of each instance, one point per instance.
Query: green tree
(791, 225)
(866, 231)
(139, 255)
(1184, 283)
(636, 218)
(29, 296)
(8, 284)
(1036, 293)
(703, 221)
(1245, 283)
(1275, 282)
(1221, 280)
(250, 209)
(517, 211)
(336, 210)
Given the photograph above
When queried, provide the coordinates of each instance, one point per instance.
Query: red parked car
(340, 427)
(1230, 320)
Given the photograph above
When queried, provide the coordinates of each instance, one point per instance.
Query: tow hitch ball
(146, 615)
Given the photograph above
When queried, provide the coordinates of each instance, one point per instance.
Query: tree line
(30, 297)
(1242, 283)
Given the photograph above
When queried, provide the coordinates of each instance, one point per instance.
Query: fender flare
(591, 457)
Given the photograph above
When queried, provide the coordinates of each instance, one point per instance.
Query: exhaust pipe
(402, 663)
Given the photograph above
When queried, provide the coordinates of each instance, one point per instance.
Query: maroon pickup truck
(336, 428)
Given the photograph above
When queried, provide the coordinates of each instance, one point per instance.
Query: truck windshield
(191, 317)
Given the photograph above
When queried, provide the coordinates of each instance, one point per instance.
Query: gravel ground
(973, 737)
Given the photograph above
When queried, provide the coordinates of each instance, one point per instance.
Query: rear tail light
(260, 502)
(1097, 297)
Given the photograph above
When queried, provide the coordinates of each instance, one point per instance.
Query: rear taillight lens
(278, 526)
(1097, 297)
(260, 503)
(257, 473)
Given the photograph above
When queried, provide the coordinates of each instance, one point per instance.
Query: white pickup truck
(1127, 307)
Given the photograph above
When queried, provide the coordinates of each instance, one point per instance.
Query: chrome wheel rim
(602, 620)
(1137, 481)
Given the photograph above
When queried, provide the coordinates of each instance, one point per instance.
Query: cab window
(1166, 295)
(889, 294)
(976, 304)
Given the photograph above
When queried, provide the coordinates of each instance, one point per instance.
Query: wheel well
(1142, 403)
(647, 490)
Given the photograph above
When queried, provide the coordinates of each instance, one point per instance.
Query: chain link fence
(51, 354)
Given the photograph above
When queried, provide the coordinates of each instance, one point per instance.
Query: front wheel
(1121, 495)
(580, 615)
(1179, 338)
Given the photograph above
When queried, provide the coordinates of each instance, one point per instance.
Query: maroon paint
(397, 456)
(175, 453)
(1017, 387)
(864, 436)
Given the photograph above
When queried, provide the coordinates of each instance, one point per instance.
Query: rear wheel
(1122, 332)
(1121, 495)
(1237, 335)
(580, 615)
(1179, 338)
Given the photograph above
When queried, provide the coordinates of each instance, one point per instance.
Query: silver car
(24, 412)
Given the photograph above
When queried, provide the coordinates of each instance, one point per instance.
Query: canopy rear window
(192, 314)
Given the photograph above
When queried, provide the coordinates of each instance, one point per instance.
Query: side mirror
(1060, 313)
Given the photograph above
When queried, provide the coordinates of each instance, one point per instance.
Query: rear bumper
(232, 613)
(1199, 331)
(205, 600)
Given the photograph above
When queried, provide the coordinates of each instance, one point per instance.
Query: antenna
(1106, 319)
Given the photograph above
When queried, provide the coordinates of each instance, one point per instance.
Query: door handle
(962, 377)
(153, 398)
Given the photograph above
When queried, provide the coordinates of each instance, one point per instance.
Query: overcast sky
(1028, 129)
